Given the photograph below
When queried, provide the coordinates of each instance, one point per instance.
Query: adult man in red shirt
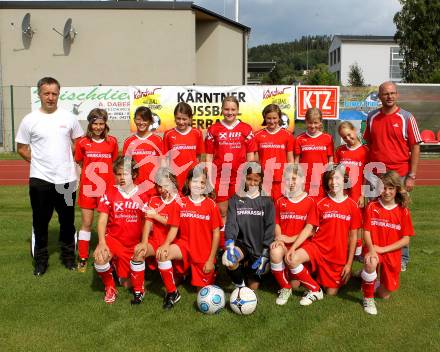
(393, 138)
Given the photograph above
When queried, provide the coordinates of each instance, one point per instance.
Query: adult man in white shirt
(44, 139)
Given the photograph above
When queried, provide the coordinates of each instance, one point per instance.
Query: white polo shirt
(50, 139)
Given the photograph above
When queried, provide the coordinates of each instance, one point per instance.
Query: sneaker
(310, 297)
(283, 296)
(82, 265)
(369, 306)
(138, 298)
(110, 295)
(40, 269)
(70, 265)
(403, 266)
(171, 299)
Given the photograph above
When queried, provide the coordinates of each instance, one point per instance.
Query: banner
(206, 103)
(325, 98)
(357, 102)
(80, 100)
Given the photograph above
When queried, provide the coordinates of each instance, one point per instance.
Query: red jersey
(126, 213)
(354, 160)
(169, 210)
(388, 225)
(229, 144)
(390, 138)
(146, 152)
(197, 221)
(97, 164)
(183, 149)
(336, 219)
(274, 145)
(293, 216)
(314, 152)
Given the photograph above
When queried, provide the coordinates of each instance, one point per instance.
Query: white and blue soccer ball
(243, 301)
(211, 299)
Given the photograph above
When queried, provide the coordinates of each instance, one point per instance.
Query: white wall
(373, 59)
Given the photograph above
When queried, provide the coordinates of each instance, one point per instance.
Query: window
(339, 55)
(395, 60)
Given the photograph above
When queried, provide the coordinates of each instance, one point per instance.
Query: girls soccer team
(308, 237)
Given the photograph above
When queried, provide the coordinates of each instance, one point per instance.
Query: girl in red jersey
(199, 235)
(162, 214)
(387, 228)
(95, 154)
(229, 143)
(146, 149)
(354, 156)
(314, 149)
(274, 146)
(183, 143)
(295, 213)
(121, 228)
(330, 251)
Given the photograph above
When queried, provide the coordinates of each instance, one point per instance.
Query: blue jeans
(405, 254)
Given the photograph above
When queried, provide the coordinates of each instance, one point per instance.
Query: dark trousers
(45, 197)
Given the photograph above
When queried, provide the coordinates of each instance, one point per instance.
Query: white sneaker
(311, 297)
(283, 296)
(369, 306)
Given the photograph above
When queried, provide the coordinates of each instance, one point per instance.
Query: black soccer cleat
(40, 269)
(138, 298)
(171, 299)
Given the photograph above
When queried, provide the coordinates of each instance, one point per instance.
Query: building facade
(377, 56)
(125, 43)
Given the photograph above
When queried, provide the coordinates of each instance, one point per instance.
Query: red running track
(16, 172)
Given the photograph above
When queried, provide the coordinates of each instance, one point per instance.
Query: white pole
(237, 6)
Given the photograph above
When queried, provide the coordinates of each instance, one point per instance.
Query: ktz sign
(325, 98)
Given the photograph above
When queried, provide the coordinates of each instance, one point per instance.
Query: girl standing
(314, 150)
(95, 154)
(183, 143)
(274, 149)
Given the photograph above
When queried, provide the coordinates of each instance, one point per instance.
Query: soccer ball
(243, 301)
(211, 299)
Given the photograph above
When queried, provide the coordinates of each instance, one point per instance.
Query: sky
(276, 21)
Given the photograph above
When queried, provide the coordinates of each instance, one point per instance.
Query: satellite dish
(69, 32)
(26, 26)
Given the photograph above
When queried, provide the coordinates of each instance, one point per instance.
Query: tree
(355, 76)
(321, 76)
(418, 35)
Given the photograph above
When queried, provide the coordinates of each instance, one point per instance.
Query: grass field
(64, 310)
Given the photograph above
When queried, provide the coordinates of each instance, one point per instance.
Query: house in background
(377, 56)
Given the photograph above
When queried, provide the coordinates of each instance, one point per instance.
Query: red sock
(137, 275)
(301, 274)
(83, 244)
(368, 281)
(105, 273)
(166, 272)
(280, 274)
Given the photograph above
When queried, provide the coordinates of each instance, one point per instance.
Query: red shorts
(199, 278)
(121, 256)
(327, 274)
(389, 276)
(182, 266)
(85, 202)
